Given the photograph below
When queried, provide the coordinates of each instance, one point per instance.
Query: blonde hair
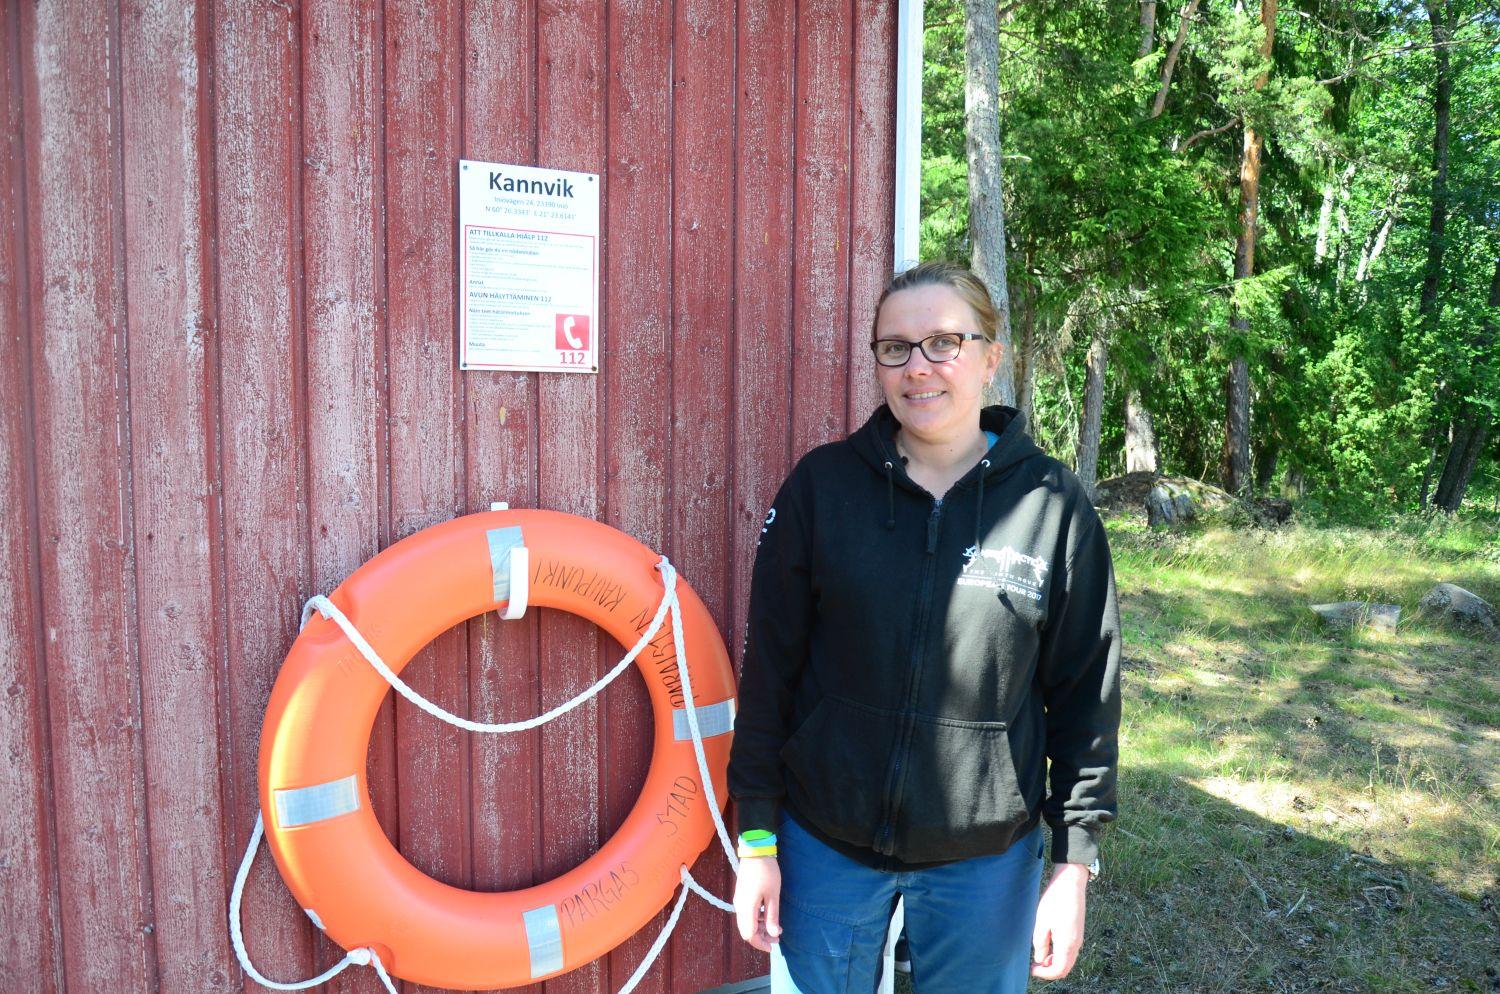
(960, 280)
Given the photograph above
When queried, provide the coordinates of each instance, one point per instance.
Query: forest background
(1341, 343)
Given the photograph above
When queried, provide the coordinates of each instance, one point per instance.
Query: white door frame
(908, 134)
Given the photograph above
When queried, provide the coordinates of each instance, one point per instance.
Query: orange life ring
(315, 800)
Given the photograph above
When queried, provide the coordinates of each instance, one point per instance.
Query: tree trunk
(1325, 221)
(1025, 308)
(1148, 29)
(1295, 484)
(986, 202)
(1375, 243)
(1373, 250)
(1087, 459)
(1265, 467)
(1439, 13)
(1342, 224)
(1140, 435)
(1469, 440)
(1236, 456)
(1473, 430)
(1334, 192)
(1432, 457)
(1184, 18)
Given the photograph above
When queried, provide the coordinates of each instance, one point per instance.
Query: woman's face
(935, 401)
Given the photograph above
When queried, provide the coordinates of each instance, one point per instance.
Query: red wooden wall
(227, 378)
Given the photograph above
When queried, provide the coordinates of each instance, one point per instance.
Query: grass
(1300, 810)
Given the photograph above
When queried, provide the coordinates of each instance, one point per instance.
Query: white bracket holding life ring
(510, 564)
(520, 583)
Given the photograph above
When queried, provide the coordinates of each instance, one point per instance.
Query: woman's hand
(1058, 934)
(757, 901)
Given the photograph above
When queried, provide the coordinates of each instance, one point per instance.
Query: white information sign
(528, 293)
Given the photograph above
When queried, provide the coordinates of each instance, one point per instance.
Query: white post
(888, 959)
(908, 134)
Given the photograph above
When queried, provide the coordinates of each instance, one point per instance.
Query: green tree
(1125, 156)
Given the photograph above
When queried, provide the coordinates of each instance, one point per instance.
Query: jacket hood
(875, 441)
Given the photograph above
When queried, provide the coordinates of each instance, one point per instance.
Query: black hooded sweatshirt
(911, 664)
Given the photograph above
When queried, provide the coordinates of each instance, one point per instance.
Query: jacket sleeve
(775, 650)
(1079, 671)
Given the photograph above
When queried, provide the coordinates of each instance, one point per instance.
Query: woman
(932, 620)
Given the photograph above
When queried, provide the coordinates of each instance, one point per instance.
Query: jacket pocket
(963, 794)
(836, 765)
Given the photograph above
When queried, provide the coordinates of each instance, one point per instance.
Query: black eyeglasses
(942, 347)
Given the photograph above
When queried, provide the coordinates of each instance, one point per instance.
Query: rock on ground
(1168, 505)
(1169, 500)
(1454, 604)
(1351, 614)
(1129, 492)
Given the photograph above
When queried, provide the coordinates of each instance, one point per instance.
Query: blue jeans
(968, 923)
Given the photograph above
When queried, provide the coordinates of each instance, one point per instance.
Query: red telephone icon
(572, 331)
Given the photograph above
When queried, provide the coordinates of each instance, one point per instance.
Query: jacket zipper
(884, 839)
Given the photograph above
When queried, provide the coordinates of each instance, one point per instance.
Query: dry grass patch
(1301, 811)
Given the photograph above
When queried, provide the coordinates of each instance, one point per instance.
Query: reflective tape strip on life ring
(315, 800)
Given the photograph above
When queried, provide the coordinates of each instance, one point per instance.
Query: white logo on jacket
(770, 517)
(1004, 569)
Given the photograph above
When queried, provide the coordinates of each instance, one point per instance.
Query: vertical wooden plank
(820, 346)
(570, 135)
(257, 176)
(343, 252)
(78, 357)
(343, 189)
(765, 111)
(637, 374)
(703, 161)
(170, 306)
(422, 114)
(30, 942)
(78, 354)
(872, 191)
(500, 126)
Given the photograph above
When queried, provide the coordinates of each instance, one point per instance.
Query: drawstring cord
(890, 498)
(979, 505)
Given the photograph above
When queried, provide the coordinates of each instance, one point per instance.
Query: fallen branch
(1294, 907)
(1264, 900)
